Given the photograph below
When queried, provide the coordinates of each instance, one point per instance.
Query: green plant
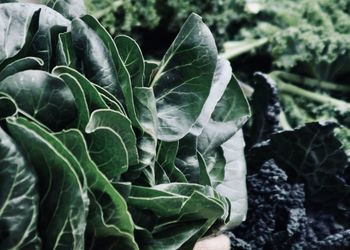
(102, 149)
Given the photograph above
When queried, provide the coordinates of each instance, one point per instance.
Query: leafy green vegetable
(132, 57)
(86, 122)
(32, 90)
(298, 180)
(302, 202)
(172, 90)
(19, 200)
(63, 194)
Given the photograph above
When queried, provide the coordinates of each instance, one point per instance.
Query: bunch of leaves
(304, 48)
(308, 38)
(100, 149)
(298, 181)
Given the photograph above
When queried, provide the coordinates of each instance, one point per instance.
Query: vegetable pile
(298, 139)
(101, 149)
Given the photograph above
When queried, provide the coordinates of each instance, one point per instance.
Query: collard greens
(101, 149)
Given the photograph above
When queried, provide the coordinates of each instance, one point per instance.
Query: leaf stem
(234, 49)
(310, 82)
(313, 96)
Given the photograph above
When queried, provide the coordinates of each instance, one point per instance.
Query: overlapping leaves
(118, 153)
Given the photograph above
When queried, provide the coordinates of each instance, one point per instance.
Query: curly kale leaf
(265, 108)
(298, 189)
(308, 37)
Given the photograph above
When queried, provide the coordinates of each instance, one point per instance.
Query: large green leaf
(119, 64)
(108, 215)
(17, 28)
(21, 37)
(19, 200)
(121, 125)
(221, 79)
(43, 96)
(106, 148)
(131, 55)
(311, 154)
(97, 62)
(105, 67)
(161, 203)
(231, 112)
(63, 194)
(188, 201)
(183, 80)
(51, 23)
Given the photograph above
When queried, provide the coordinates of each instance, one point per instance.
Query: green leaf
(65, 50)
(183, 80)
(173, 236)
(215, 166)
(313, 155)
(96, 61)
(18, 27)
(161, 203)
(51, 23)
(149, 72)
(233, 185)
(132, 57)
(93, 98)
(231, 112)
(201, 208)
(121, 125)
(166, 156)
(108, 215)
(181, 200)
(19, 200)
(33, 31)
(145, 106)
(221, 79)
(64, 202)
(204, 178)
(186, 159)
(68, 8)
(21, 65)
(80, 100)
(106, 147)
(33, 92)
(111, 100)
(266, 110)
(107, 69)
(122, 71)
